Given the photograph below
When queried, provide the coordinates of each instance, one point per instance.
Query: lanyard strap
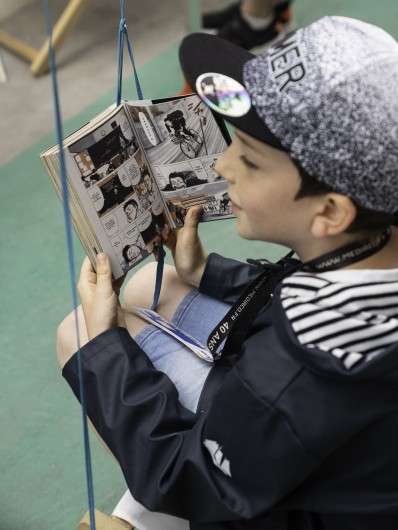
(349, 254)
(159, 275)
(236, 323)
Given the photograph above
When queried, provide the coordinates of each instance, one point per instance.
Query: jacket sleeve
(223, 464)
(225, 278)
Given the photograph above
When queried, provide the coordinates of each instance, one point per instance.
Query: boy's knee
(63, 333)
(66, 336)
(140, 289)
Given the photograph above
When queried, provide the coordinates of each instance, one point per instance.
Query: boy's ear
(335, 215)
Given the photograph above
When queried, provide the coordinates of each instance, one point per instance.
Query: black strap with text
(236, 323)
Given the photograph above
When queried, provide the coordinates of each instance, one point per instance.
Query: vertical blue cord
(124, 33)
(68, 228)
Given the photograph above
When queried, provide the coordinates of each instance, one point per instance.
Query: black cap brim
(201, 53)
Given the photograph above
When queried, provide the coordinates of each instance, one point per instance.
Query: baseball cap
(326, 94)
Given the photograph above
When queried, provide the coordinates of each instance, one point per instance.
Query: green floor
(42, 478)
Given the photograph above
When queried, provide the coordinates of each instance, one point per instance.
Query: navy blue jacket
(291, 439)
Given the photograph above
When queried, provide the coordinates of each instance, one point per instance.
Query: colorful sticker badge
(223, 94)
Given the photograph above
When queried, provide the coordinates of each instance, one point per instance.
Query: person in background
(252, 24)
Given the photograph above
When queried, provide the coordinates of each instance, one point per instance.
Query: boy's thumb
(193, 217)
(104, 271)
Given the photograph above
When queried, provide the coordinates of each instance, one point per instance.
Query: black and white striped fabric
(353, 314)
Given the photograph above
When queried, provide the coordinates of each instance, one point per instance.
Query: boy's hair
(365, 219)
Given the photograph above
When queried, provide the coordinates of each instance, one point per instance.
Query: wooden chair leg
(62, 28)
(17, 46)
(39, 59)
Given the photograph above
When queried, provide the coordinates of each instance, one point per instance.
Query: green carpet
(41, 453)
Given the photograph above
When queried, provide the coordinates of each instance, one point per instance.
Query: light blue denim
(197, 315)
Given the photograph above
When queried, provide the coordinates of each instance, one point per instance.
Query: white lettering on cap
(286, 63)
(223, 94)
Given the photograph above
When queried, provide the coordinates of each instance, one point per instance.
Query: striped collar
(353, 314)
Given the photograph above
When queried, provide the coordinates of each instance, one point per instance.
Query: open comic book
(134, 171)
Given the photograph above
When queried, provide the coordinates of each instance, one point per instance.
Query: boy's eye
(248, 163)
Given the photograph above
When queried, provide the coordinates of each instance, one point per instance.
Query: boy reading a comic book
(294, 425)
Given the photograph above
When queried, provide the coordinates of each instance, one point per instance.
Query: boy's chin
(244, 231)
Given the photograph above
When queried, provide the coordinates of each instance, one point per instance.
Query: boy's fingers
(171, 240)
(87, 271)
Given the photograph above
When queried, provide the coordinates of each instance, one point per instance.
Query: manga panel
(114, 185)
(182, 142)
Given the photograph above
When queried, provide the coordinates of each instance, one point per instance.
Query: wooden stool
(39, 59)
(103, 522)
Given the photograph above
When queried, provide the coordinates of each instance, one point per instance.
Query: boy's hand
(188, 254)
(99, 297)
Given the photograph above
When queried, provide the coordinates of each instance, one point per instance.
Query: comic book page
(165, 325)
(182, 141)
(109, 173)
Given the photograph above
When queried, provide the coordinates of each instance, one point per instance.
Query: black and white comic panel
(122, 194)
(178, 130)
(195, 182)
(134, 232)
(215, 205)
(184, 175)
(105, 150)
(182, 143)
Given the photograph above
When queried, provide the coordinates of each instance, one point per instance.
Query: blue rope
(123, 33)
(68, 229)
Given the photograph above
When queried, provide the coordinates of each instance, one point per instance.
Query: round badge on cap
(223, 94)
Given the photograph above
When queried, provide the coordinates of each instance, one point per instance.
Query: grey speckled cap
(329, 94)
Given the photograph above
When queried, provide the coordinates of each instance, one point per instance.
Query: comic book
(135, 170)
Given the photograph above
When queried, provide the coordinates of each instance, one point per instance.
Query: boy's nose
(223, 166)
